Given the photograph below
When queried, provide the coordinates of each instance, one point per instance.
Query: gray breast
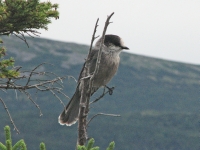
(107, 69)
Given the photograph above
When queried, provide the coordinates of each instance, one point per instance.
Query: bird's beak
(124, 47)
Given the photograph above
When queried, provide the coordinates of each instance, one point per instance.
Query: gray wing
(92, 60)
(92, 63)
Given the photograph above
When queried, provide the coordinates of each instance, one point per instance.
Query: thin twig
(72, 78)
(30, 98)
(59, 91)
(58, 98)
(23, 39)
(33, 72)
(99, 52)
(102, 95)
(93, 36)
(104, 114)
(16, 94)
(3, 86)
(29, 80)
(6, 108)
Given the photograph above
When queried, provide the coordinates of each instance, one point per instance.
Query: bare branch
(99, 52)
(6, 108)
(59, 91)
(87, 84)
(22, 38)
(16, 94)
(24, 87)
(29, 97)
(85, 96)
(103, 94)
(33, 72)
(72, 78)
(110, 90)
(93, 36)
(29, 82)
(104, 114)
(58, 98)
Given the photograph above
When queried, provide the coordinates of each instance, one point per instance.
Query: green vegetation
(135, 131)
(21, 17)
(5, 65)
(25, 16)
(90, 144)
(20, 145)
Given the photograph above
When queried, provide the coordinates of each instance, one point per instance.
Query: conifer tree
(20, 17)
(23, 18)
(20, 145)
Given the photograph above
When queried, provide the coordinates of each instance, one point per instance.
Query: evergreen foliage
(20, 145)
(5, 65)
(19, 17)
(111, 146)
(42, 146)
(25, 15)
(90, 144)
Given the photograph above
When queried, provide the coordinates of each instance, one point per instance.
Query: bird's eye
(110, 45)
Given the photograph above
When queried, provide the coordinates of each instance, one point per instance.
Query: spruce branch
(22, 17)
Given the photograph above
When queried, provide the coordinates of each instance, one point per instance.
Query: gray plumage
(113, 45)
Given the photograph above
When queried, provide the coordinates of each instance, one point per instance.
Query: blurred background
(163, 29)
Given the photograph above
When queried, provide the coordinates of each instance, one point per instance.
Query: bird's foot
(110, 90)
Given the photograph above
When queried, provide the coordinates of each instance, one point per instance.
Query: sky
(166, 29)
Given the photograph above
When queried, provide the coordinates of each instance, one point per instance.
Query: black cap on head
(115, 40)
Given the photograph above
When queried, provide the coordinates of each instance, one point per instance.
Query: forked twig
(85, 96)
(29, 81)
(87, 85)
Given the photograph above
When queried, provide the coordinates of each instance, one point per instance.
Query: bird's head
(112, 43)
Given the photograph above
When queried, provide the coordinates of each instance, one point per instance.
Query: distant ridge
(158, 100)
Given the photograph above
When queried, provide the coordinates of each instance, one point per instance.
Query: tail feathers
(70, 115)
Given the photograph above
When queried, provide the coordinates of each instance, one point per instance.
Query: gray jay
(112, 47)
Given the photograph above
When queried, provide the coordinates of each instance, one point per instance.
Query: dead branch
(21, 34)
(110, 90)
(86, 85)
(100, 50)
(85, 96)
(30, 98)
(34, 80)
(93, 37)
(103, 94)
(104, 114)
(6, 108)
(54, 94)
(72, 78)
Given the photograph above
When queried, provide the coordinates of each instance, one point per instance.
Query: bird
(111, 49)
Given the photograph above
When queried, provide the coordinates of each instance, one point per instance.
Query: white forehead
(122, 42)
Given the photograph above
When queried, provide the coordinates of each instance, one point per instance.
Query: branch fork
(87, 86)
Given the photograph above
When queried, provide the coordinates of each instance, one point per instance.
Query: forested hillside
(158, 101)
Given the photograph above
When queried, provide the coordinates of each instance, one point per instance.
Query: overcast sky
(168, 29)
